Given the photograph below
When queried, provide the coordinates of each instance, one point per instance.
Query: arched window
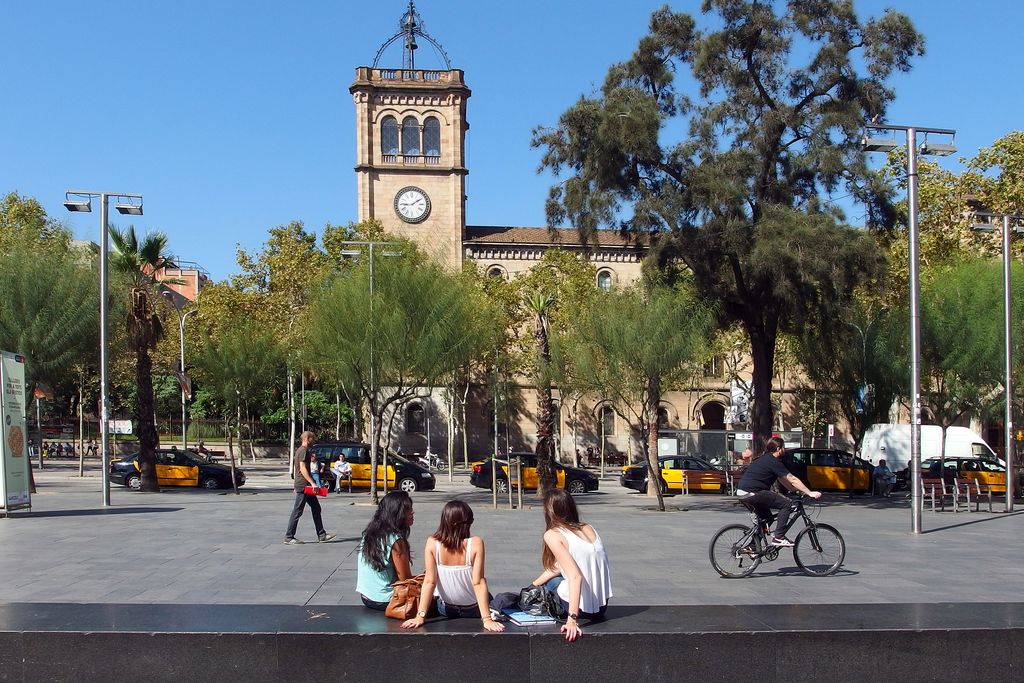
(389, 136)
(496, 272)
(432, 137)
(662, 418)
(608, 420)
(410, 137)
(414, 419)
(604, 280)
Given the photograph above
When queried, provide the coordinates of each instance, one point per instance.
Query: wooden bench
(957, 491)
(977, 490)
(700, 478)
(939, 490)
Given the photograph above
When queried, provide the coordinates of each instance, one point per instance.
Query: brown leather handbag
(405, 599)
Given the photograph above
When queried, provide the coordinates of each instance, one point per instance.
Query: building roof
(569, 237)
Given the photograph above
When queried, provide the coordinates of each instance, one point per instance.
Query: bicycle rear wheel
(819, 550)
(734, 551)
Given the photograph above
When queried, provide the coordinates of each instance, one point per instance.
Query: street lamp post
(125, 203)
(871, 143)
(1007, 344)
(181, 338)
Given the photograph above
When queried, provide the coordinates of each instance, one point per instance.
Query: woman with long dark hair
(383, 555)
(575, 563)
(453, 563)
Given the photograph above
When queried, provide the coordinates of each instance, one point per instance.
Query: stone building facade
(411, 170)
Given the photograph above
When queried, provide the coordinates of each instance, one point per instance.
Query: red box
(314, 491)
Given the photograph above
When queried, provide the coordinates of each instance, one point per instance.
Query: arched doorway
(712, 415)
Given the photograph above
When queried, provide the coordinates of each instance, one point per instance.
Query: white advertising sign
(119, 426)
(14, 477)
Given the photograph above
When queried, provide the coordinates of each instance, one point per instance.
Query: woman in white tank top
(575, 563)
(453, 564)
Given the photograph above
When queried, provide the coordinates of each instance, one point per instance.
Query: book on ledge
(520, 618)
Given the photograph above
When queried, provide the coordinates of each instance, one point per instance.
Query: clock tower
(411, 133)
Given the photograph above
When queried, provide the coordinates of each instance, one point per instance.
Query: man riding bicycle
(755, 486)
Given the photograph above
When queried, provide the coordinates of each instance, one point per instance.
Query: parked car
(572, 479)
(671, 471)
(985, 471)
(401, 473)
(829, 469)
(176, 468)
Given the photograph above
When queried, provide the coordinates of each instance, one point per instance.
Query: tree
(741, 200)
(48, 311)
(24, 223)
(540, 305)
(237, 365)
(420, 324)
(961, 333)
(632, 347)
(137, 262)
(866, 367)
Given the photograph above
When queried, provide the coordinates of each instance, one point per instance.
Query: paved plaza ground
(200, 547)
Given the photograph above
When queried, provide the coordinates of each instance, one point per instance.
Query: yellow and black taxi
(572, 479)
(829, 469)
(988, 473)
(672, 470)
(176, 468)
(401, 474)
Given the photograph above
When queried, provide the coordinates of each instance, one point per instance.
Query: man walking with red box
(303, 478)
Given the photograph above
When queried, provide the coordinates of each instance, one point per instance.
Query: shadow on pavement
(987, 518)
(98, 511)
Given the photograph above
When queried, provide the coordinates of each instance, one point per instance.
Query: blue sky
(232, 117)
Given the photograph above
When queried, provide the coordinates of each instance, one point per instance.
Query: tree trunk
(651, 441)
(374, 439)
(337, 405)
(291, 424)
(81, 433)
(762, 348)
(231, 453)
(238, 425)
(465, 428)
(148, 439)
(546, 427)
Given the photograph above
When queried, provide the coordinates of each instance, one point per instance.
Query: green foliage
(239, 364)
(24, 223)
(962, 338)
(48, 311)
(741, 199)
(321, 412)
(419, 327)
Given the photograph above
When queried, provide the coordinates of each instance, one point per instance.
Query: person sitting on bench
(884, 479)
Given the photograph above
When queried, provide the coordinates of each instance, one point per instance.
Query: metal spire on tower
(409, 27)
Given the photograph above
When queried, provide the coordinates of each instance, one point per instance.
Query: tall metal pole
(181, 334)
(1008, 349)
(104, 413)
(915, 340)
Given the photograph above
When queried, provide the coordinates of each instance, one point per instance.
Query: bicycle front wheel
(734, 551)
(819, 550)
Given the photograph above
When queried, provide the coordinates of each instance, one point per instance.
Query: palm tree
(540, 305)
(138, 263)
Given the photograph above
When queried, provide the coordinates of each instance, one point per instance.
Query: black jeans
(373, 604)
(301, 499)
(766, 501)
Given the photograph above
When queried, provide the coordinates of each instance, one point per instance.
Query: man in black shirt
(755, 486)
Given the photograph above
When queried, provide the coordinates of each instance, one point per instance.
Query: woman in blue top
(383, 556)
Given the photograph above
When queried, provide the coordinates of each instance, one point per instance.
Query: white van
(892, 442)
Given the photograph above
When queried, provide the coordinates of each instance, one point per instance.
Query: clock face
(412, 204)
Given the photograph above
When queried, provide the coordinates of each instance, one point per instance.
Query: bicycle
(736, 550)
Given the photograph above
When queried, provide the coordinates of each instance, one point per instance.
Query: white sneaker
(781, 542)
